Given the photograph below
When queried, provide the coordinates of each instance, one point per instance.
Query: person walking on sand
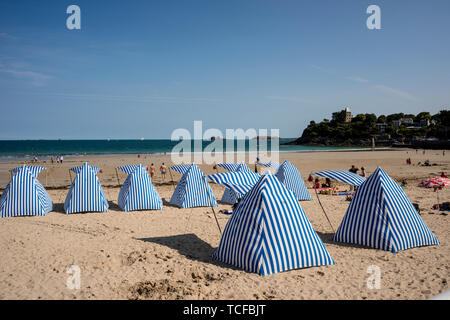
(152, 171)
(163, 169)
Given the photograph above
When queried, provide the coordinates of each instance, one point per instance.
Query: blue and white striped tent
(181, 168)
(138, 192)
(382, 217)
(229, 196)
(272, 165)
(24, 195)
(86, 193)
(193, 190)
(233, 167)
(342, 176)
(269, 232)
(292, 179)
(236, 178)
(35, 170)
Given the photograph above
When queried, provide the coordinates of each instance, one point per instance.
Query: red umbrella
(437, 182)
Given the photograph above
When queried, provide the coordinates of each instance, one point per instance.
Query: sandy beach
(167, 254)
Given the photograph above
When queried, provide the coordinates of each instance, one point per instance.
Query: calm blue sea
(45, 148)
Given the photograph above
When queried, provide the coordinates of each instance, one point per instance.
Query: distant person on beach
(443, 175)
(152, 171)
(404, 183)
(232, 208)
(316, 183)
(327, 183)
(163, 169)
(61, 159)
(53, 160)
(256, 167)
(353, 169)
(363, 172)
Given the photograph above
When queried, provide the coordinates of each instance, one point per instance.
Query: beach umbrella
(86, 193)
(342, 176)
(435, 182)
(138, 192)
(24, 195)
(269, 232)
(381, 216)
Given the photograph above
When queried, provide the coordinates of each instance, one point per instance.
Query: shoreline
(7, 158)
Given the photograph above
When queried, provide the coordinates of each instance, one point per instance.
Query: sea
(24, 149)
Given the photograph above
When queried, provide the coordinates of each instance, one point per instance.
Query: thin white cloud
(7, 36)
(396, 92)
(357, 79)
(322, 69)
(133, 98)
(35, 78)
(291, 99)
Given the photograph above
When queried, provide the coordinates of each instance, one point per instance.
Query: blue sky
(144, 68)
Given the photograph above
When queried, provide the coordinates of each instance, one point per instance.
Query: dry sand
(167, 254)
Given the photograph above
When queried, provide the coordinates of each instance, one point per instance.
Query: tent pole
(117, 175)
(212, 207)
(315, 189)
(171, 178)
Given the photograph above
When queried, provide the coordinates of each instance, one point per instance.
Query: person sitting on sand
(232, 208)
(353, 169)
(443, 175)
(327, 183)
(427, 163)
(152, 171)
(163, 169)
(316, 183)
(404, 183)
(363, 172)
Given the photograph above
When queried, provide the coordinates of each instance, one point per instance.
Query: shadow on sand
(190, 246)
(328, 238)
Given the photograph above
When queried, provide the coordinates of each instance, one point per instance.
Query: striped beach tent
(193, 190)
(35, 170)
(25, 195)
(86, 193)
(233, 167)
(246, 177)
(269, 232)
(381, 216)
(342, 176)
(272, 165)
(229, 196)
(292, 179)
(138, 192)
(181, 168)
